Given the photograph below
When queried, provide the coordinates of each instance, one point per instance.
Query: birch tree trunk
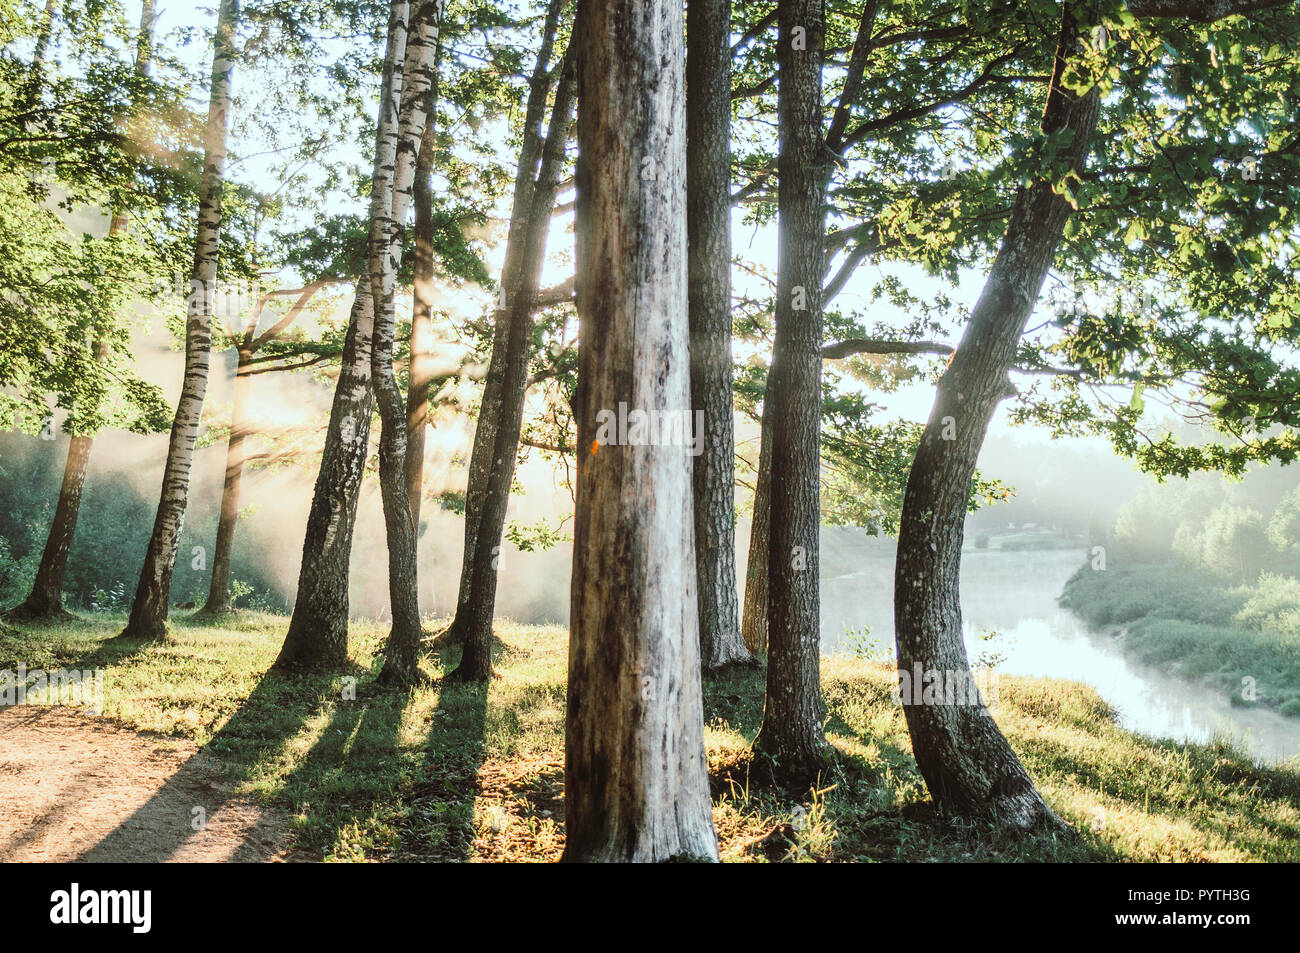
(791, 735)
(420, 371)
(476, 636)
(968, 766)
(390, 202)
(148, 617)
(708, 221)
(635, 775)
(318, 630)
(481, 453)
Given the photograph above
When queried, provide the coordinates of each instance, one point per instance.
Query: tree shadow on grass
(244, 749)
(440, 823)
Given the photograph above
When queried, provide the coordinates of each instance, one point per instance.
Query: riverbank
(1242, 640)
(461, 773)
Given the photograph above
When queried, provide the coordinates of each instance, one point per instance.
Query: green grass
(472, 774)
(1190, 623)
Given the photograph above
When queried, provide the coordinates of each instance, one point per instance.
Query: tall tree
(636, 782)
(318, 629)
(967, 764)
(420, 371)
(45, 601)
(521, 302)
(149, 608)
(390, 202)
(708, 222)
(482, 462)
(791, 735)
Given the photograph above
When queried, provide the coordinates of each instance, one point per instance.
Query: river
(1014, 594)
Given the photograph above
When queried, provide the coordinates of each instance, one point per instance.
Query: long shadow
(257, 733)
(448, 782)
(355, 764)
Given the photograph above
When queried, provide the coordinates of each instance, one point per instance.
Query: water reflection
(1015, 594)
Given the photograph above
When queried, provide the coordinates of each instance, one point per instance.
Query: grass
(462, 773)
(1191, 624)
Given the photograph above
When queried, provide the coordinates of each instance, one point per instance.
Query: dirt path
(77, 787)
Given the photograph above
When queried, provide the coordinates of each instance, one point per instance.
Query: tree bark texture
(485, 431)
(521, 299)
(387, 223)
(791, 735)
(968, 766)
(708, 226)
(636, 783)
(148, 617)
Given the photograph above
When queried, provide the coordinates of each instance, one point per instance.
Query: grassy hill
(471, 774)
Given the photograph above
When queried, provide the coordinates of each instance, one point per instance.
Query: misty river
(1015, 594)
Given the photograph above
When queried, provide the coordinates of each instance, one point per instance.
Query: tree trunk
(791, 735)
(149, 608)
(481, 454)
(967, 764)
(708, 223)
(754, 622)
(318, 629)
(476, 635)
(390, 202)
(420, 371)
(219, 590)
(45, 601)
(635, 774)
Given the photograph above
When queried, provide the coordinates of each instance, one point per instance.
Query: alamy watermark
(83, 688)
(956, 687)
(647, 428)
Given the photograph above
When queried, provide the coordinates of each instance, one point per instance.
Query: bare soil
(78, 787)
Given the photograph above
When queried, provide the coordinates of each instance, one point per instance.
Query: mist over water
(1014, 594)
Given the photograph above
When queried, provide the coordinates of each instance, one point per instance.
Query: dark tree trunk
(219, 590)
(149, 607)
(754, 622)
(420, 372)
(708, 221)
(967, 764)
(791, 735)
(318, 629)
(45, 601)
(476, 634)
(401, 657)
(481, 454)
(635, 774)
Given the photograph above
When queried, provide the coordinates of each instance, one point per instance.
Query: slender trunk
(420, 371)
(318, 629)
(149, 608)
(219, 591)
(387, 224)
(791, 735)
(45, 601)
(476, 635)
(481, 458)
(968, 766)
(708, 222)
(754, 622)
(635, 774)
